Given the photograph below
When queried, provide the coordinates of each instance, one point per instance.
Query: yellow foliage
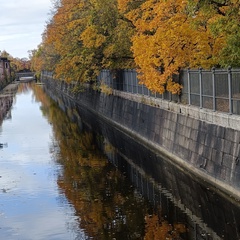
(91, 38)
(159, 37)
(167, 40)
(157, 229)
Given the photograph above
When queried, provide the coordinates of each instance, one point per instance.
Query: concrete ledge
(219, 118)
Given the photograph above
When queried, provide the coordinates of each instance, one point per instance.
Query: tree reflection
(6, 100)
(107, 205)
(159, 229)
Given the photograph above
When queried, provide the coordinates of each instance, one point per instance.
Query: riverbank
(11, 87)
(208, 151)
(6, 99)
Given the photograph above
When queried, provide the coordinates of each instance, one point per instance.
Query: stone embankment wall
(202, 143)
(6, 100)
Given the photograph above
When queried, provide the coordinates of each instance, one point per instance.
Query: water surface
(31, 205)
(66, 174)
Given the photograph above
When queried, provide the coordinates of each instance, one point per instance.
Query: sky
(22, 23)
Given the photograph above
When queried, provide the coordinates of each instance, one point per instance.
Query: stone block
(174, 107)
(192, 146)
(202, 115)
(173, 126)
(179, 139)
(218, 144)
(217, 156)
(220, 131)
(181, 119)
(187, 132)
(236, 150)
(171, 135)
(209, 117)
(207, 152)
(193, 156)
(194, 112)
(195, 124)
(184, 152)
(167, 144)
(211, 168)
(229, 134)
(228, 147)
(194, 134)
(228, 161)
(189, 122)
(203, 127)
(174, 117)
(209, 140)
(233, 122)
(201, 162)
(201, 137)
(220, 119)
(200, 148)
(237, 137)
(211, 129)
(184, 110)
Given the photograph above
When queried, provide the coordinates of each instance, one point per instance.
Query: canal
(66, 174)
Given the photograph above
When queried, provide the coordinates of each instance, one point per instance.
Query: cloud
(22, 23)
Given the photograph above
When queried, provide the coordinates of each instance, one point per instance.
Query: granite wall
(207, 150)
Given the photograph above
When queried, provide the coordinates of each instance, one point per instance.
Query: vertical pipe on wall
(214, 89)
(189, 87)
(230, 90)
(200, 87)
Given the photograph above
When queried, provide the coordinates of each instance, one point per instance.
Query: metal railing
(127, 81)
(215, 89)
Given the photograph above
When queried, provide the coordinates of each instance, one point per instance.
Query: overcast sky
(22, 23)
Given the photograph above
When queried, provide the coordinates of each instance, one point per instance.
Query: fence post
(200, 87)
(136, 81)
(111, 78)
(230, 90)
(127, 82)
(132, 80)
(189, 87)
(214, 89)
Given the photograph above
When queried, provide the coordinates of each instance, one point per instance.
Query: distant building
(5, 71)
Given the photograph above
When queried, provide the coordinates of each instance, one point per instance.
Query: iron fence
(215, 89)
(127, 81)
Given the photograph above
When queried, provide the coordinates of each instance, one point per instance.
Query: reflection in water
(67, 175)
(31, 206)
(6, 101)
(182, 208)
(108, 205)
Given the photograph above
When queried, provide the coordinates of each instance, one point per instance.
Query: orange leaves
(171, 35)
(160, 37)
(159, 229)
(91, 38)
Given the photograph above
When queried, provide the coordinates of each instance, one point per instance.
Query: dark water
(65, 174)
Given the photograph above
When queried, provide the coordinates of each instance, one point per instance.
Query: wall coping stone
(207, 115)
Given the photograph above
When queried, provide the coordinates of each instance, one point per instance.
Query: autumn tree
(83, 37)
(158, 37)
(108, 35)
(171, 35)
